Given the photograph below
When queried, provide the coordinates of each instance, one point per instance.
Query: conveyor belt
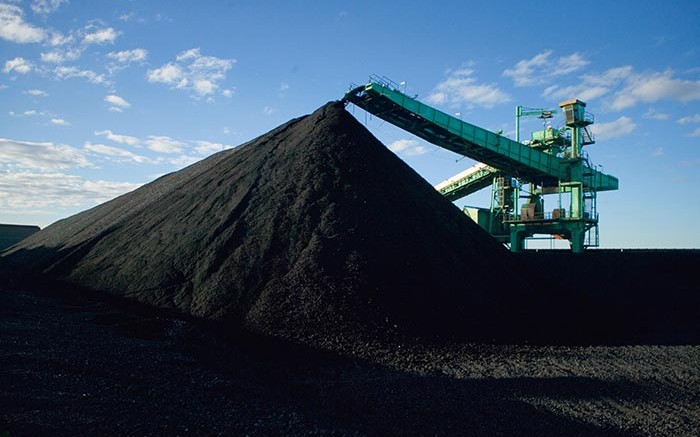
(469, 181)
(508, 156)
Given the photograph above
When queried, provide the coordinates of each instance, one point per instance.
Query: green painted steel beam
(458, 136)
(508, 156)
(601, 181)
(472, 180)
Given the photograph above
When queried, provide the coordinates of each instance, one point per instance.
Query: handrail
(385, 81)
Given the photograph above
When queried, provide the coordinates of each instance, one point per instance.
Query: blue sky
(98, 97)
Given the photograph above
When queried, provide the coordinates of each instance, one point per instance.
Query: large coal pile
(313, 229)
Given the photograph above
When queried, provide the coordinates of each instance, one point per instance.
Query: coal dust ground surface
(77, 364)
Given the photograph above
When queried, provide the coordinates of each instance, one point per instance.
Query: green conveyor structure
(469, 181)
(508, 156)
(560, 168)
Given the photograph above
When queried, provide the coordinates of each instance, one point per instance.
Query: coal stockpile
(311, 231)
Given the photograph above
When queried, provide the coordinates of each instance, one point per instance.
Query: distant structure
(13, 234)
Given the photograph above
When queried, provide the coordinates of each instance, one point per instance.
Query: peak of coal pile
(310, 230)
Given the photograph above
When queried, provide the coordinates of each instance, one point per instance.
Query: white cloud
(461, 88)
(581, 92)
(29, 113)
(408, 147)
(618, 128)
(115, 109)
(127, 16)
(207, 147)
(200, 75)
(202, 64)
(40, 156)
(60, 56)
(13, 27)
(204, 87)
(651, 87)
(227, 93)
(37, 93)
(62, 73)
(183, 161)
(689, 119)
(267, 110)
(53, 119)
(20, 65)
(164, 144)
(569, 64)
(653, 114)
(695, 133)
(542, 68)
(57, 39)
(401, 145)
(523, 73)
(128, 56)
(46, 6)
(24, 190)
(56, 57)
(101, 36)
(160, 144)
(659, 151)
(609, 77)
(120, 155)
(590, 86)
(117, 138)
(59, 122)
(117, 101)
(168, 74)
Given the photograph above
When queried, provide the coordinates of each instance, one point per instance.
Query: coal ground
(79, 363)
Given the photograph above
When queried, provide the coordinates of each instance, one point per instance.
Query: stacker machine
(524, 176)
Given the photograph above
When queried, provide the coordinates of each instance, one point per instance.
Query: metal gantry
(551, 163)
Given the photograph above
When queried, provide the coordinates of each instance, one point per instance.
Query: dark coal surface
(628, 296)
(13, 234)
(73, 363)
(312, 231)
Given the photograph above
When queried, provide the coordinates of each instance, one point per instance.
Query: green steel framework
(474, 179)
(505, 159)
